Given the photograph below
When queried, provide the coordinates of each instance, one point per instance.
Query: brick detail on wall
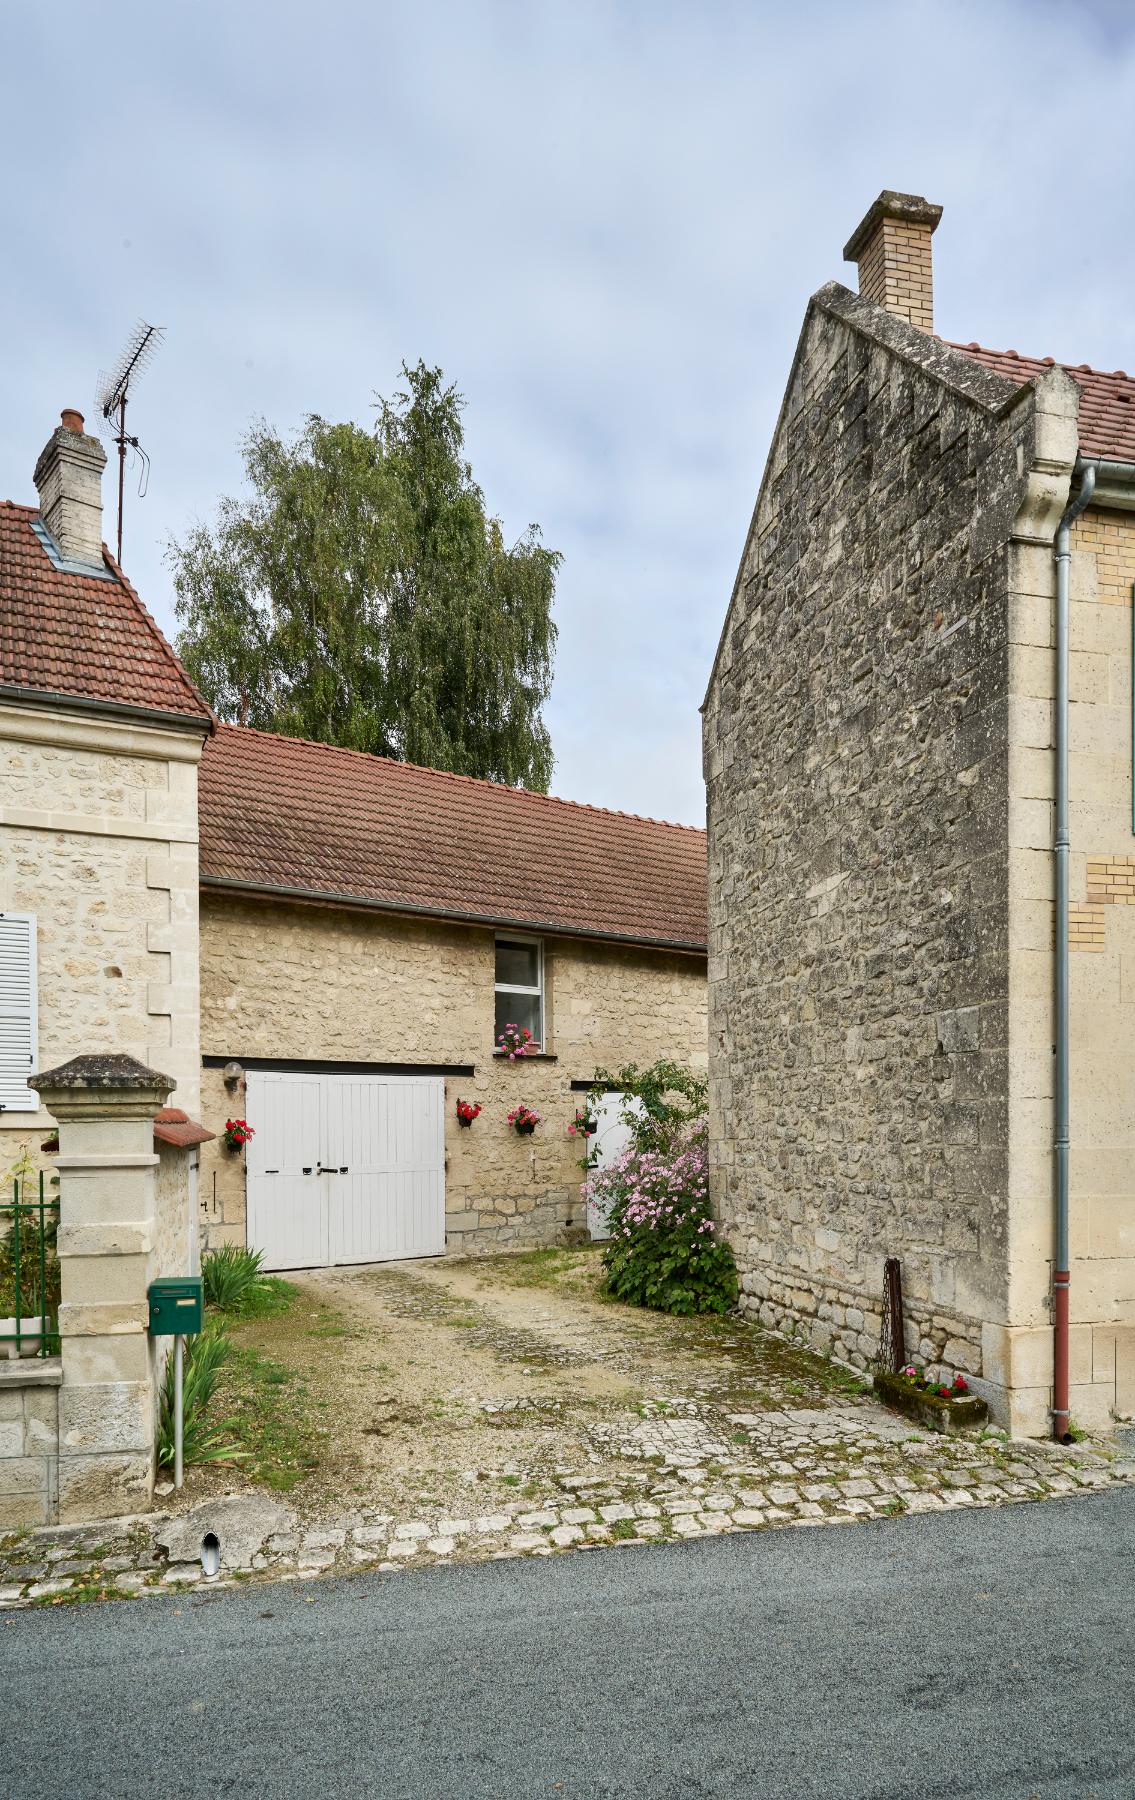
(1085, 928)
(1111, 880)
(1107, 536)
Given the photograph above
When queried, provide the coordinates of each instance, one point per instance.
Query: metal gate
(345, 1168)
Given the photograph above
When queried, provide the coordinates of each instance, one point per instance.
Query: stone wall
(29, 1442)
(856, 765)
(98, 838)
(1102, 989)
(285, 981)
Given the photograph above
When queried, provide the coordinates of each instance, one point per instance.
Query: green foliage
(202, 1441)
(24, 1247)
(228, 1274)
(664, 1250)
(363, 596)
(669, 1095)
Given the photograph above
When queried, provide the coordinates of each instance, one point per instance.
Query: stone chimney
(892, 248)
(68, 479)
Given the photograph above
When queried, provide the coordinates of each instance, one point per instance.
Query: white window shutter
(18, 1012)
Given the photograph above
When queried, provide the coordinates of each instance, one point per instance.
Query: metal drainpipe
(1062, 847)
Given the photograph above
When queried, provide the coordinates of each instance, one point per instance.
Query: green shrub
(231, 1273)
(664, 1250)
(202, 1441)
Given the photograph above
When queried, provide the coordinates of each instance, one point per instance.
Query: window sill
(530, 1056)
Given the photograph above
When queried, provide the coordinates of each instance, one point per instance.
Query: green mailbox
(177, 1305)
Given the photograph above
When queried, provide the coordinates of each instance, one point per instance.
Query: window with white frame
(520, 986)
(18, 1012)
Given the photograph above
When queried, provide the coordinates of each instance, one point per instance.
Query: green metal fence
(29, 1270)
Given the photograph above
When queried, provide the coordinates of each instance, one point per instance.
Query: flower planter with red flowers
(523, 1120)
(237, 1133)
(943, 1406)
(466, 1112)
(516, 1041)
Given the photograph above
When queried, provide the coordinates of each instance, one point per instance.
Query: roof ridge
(477, 781)
(163, 643)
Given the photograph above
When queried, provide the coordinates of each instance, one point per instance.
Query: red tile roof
(1107, 409)
(282, 813)
(79, 635)
(172, 1126)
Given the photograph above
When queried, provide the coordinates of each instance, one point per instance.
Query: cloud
(603, 221)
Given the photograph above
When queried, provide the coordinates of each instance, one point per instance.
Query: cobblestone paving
(699, 1429)
(810, 1466)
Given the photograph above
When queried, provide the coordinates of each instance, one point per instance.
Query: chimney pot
(68, 479)
(891, 245)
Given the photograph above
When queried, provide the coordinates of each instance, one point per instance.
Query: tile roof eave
(410, 909)
(50, 699)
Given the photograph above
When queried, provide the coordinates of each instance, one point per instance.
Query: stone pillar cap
(117, 1074)
(911, 208)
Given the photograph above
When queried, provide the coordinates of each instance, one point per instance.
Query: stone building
(882, 739)
(325, 943)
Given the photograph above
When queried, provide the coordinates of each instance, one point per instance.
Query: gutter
(1103, 482)
(12, 695)
(1061, 1419)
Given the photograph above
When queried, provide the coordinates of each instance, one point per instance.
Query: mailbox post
(177, 1307)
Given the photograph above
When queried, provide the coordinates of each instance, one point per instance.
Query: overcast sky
(603, 221)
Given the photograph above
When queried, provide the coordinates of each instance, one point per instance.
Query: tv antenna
(114, 390)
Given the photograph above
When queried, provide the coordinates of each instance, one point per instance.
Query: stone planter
(930, 1410)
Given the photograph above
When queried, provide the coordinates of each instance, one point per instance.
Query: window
(520, 986)
(18, 1047)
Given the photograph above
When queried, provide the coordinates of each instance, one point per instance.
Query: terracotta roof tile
(1107, 409)
(79, 635)
(172, 1126)
(284, 813)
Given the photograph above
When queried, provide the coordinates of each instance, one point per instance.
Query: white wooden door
(345, 1168)
(612, 1137)
(287, 1207)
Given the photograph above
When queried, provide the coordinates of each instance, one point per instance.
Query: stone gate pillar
(105, 1108)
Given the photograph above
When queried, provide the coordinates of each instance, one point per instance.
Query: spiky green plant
(203, 1441)
(230, 1273)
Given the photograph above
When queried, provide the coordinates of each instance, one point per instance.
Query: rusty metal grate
(892, 1342)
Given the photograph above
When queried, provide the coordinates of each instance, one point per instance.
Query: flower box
(937, 1412)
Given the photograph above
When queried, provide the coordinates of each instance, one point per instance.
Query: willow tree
(362, 595)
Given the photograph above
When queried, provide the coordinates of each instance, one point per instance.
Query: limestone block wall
(285, 981)
(856, 767)
(29, 1442)
(98, 838)
(1102, 974)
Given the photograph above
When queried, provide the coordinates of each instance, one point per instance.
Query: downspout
(1061, 1421)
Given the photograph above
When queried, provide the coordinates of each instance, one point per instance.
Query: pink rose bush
(665, 1250)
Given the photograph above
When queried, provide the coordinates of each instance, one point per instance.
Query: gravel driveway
(495, 1406)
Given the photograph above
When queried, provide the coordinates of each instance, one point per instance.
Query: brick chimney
(68, 479)
(892, 248)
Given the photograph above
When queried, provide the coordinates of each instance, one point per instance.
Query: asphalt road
(982, 1653)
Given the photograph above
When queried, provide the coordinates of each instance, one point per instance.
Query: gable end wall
(856, 767)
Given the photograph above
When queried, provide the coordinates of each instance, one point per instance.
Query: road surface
(981, 1653)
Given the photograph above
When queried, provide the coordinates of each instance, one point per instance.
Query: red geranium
(237, 1133)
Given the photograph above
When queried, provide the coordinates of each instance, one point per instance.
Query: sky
(602, 220)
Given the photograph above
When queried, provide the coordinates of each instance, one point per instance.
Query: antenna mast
(114, 390)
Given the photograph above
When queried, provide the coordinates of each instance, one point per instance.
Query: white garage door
(345, 1168)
